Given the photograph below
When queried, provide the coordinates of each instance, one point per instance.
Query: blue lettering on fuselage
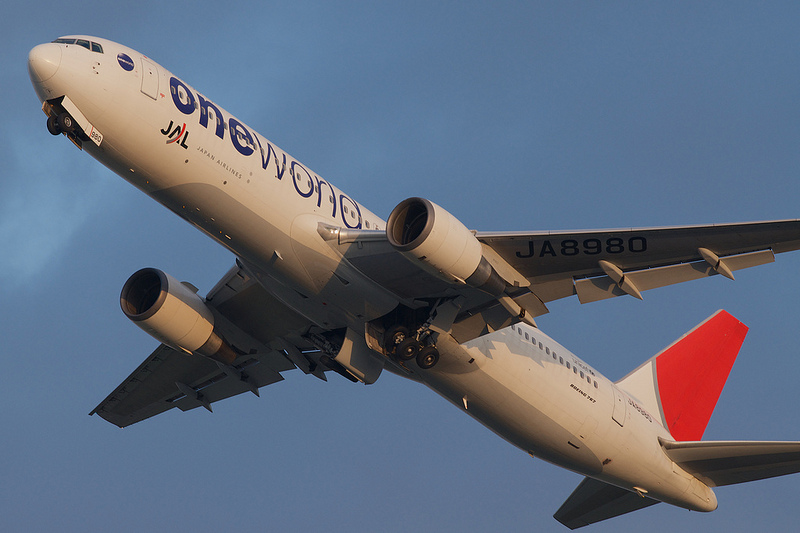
(305, 183)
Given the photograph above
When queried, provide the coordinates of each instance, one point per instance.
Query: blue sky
(513, 116)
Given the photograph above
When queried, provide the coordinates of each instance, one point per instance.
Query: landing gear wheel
(407, 350)
(427, 357)
(66, 123)
(52, 126)
(393, 337)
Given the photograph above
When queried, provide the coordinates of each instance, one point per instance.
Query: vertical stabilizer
(684, 381)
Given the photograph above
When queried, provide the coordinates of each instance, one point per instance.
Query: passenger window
(581, 374)
(595, 384)
(561, 360)
(527, 337)
(540, 345)
(575, 369)
(568, 364)
(555, 356)
(547, 350)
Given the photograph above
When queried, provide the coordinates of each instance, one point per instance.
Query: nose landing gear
(62, 123)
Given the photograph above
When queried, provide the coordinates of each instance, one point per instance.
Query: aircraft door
(619, 407)
(149, 78)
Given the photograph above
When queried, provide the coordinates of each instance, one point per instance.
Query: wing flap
(559, 264)
(169, 378)
(594, 501)
(602, 287)
(146, 391)
(719, 463)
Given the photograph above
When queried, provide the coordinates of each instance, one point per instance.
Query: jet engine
(441, 244)
(174, 314)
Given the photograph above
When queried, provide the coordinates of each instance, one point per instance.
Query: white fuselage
(202, 163)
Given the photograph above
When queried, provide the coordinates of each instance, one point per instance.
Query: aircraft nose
(43, 62)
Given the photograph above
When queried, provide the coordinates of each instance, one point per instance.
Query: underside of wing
(479, 312)
(267, 337)
(602, 264)
(538, 267)
(169, 378)
(729, 462)
(594, 501)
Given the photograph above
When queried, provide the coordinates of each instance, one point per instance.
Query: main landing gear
(62, 123)
(403, 346)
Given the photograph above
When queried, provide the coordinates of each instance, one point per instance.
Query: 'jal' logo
(178, 133)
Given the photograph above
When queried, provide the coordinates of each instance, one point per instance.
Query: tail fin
(683, 382)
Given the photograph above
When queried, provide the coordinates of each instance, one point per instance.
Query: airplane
(322, 284)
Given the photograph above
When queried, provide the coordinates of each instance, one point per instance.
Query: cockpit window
(89, 45)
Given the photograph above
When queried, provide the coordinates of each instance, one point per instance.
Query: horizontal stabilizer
(595, 500)
(729, 462)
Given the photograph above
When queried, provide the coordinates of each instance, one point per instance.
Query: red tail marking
(692, 372)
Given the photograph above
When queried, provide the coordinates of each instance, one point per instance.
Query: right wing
(170, 379)
(269, 334)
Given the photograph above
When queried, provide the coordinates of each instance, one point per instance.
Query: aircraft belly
(521, 415)
(533, 404)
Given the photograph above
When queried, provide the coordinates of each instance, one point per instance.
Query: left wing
(540, 267)
(602, 264)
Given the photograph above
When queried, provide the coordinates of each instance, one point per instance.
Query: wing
(593, 265)
(270, 335)
(606, 263)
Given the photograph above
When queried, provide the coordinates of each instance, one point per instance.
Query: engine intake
(427, 233)
(174, 314)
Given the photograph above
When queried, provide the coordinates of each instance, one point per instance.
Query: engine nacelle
(441, 244)
(174, 314)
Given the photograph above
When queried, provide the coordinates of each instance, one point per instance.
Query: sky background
(513, 116)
